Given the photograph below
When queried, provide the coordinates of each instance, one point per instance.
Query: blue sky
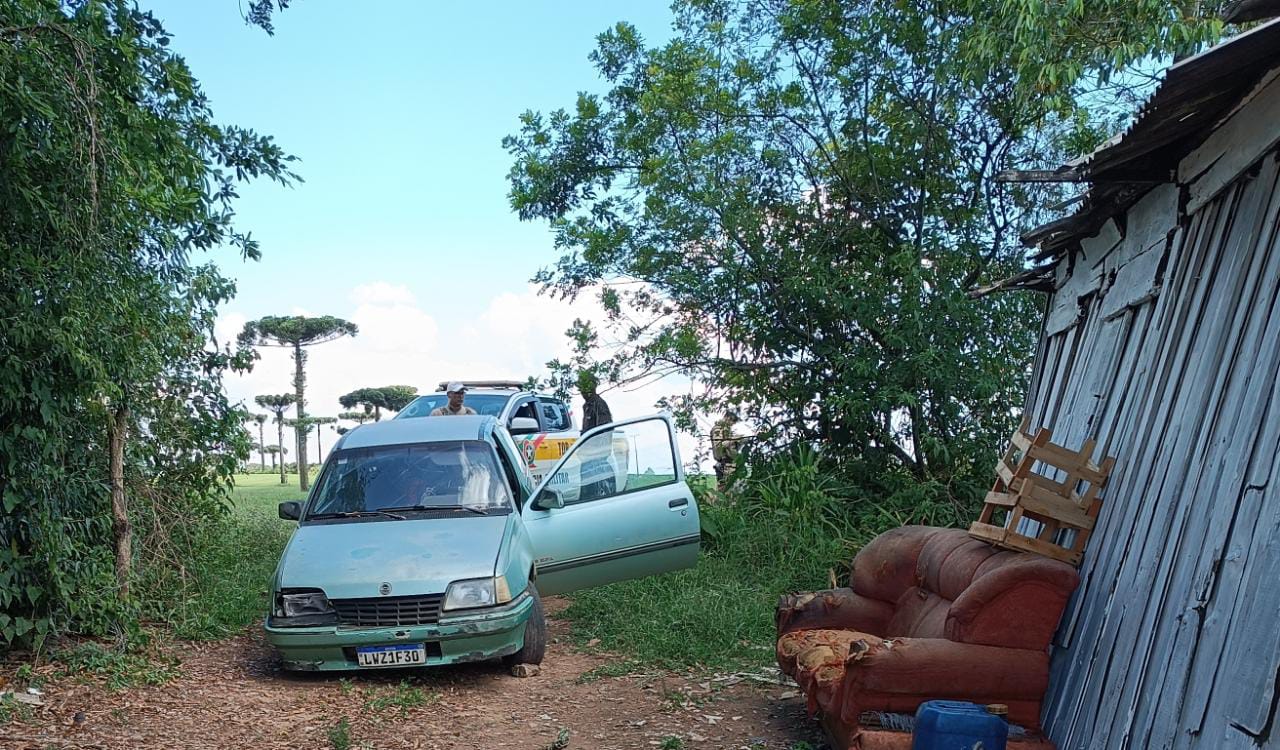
(397, 113)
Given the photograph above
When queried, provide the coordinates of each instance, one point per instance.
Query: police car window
(525, 410)
(487, 404)
(555, 416)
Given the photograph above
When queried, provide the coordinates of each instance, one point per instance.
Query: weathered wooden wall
(1164, 345)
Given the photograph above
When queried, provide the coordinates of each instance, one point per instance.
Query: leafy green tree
(297, 332)
(278, 405)
(114, 176)
(273, 451)
(359, 417)
(391, 397)
(790, 201)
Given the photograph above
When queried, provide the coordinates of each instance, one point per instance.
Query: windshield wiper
(355, 514)
(469, 508)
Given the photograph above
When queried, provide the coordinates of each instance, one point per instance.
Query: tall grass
(221, 584)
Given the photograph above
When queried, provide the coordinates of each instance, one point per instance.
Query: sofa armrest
(900, 673)
(1016, 606)
(832, 609)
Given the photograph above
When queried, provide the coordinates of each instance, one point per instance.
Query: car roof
(418, 430)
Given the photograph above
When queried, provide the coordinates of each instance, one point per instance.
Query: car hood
(415, 556)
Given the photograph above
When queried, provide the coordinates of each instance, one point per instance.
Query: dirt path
(232, 694)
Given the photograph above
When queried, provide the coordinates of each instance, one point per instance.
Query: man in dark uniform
(595, 411)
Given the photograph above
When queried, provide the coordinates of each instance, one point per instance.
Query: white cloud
(400, 342)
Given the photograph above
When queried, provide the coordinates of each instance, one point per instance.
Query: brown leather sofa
(930, 614)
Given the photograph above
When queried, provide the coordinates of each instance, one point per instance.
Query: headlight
(302, 604)
(477, 592)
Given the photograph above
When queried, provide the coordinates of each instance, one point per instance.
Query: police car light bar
(495, 384)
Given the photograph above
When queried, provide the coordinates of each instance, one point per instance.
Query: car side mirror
(523, 426)
(548, 499)
(291, 510)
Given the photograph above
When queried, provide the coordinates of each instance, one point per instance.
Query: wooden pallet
(1068, 504)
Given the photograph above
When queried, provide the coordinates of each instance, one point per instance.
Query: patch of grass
(223, 585)
(671, 742)
(560, 742)
(12, 711)
(403, 697)
(340, 735)
(120, 668)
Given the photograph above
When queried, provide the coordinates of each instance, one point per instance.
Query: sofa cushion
(886, 566)
(816, 660)
(919, 614)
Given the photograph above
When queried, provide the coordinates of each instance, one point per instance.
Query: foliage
(113, 173)
(219, 586)
(390, 397)
(789, 201)
(277, 404)
(354, 416)
(297, 332)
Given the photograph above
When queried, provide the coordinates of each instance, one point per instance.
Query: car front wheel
(535, 634)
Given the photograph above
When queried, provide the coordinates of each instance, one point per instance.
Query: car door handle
(679, 502)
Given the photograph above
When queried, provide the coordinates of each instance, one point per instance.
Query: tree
(273, 451)
(360, 417)
(278, 405)
(790, 201)
(392, 397)
(114, 177)
(297, 332)
(306, 423)
(261, 419)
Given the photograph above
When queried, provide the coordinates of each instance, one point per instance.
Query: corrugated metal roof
(1196, 94)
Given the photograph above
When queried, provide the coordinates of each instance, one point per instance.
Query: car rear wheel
(535, 634)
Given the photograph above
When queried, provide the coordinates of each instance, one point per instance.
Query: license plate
(391, 656)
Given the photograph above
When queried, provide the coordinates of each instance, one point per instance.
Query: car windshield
(487, 404)
(459, 476)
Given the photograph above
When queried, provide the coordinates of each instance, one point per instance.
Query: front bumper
(456, 639)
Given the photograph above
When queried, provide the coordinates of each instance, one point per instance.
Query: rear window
(555, 415)
(487, 404)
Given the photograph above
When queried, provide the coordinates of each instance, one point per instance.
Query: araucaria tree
(297, 332)
(790, 201)
(278, 405)
(391, 397)
(260, 419)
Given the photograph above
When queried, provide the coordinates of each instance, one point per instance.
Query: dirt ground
(232, 694)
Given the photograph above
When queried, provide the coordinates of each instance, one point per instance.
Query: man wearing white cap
(456, 392)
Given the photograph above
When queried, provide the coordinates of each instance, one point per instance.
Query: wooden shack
(1161, 341)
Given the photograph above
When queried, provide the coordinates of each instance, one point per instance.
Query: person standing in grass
(595, 411)
(724, 448)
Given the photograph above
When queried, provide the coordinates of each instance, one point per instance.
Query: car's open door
(616, 506)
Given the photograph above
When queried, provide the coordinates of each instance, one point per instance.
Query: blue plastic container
(956, 725)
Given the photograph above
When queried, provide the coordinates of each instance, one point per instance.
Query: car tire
(535, 634)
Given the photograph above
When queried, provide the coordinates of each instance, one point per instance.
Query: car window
(637, 456)
(525, 409)
(488, 404)
(555, 416)
(453, 473)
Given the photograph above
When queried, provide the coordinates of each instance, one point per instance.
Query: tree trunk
(119, 510)
(262, 447)
(377, 413)
(319, 448)
(280, 438)
(299, 385)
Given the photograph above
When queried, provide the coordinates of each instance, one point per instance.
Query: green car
(425, 542)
